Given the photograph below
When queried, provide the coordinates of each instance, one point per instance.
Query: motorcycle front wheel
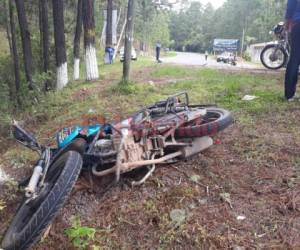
(273, 57)
(33, 217)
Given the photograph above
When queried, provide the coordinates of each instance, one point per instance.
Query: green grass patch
(169, 54)
(227, 89)
(125, 88)
(80, 235)
(170, 71)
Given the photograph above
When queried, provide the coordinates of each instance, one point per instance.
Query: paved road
(195, 59)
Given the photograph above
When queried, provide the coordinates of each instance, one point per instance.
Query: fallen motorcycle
(165, 132)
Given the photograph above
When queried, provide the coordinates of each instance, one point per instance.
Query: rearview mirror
(24, 137)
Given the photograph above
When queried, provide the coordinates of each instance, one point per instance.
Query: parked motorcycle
(276, 55)
(166, 132)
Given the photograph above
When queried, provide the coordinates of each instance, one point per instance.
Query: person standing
(158, 48)
(292, 25)
(110, 52)
(111, 55)
(206, 55)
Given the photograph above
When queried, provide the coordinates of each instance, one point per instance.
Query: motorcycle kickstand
(146, 177)
(23, 183)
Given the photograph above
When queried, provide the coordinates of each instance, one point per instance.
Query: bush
(246, 56)
(126, 88)
(81, 236)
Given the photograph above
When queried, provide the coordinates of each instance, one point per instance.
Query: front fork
(30, 190)
(38, 175)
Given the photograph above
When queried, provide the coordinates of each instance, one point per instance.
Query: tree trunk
(41, 37)
(89, 40)
(120, 39)
(60, 45)
(128, 41)
(109, 35)
(109, 23)
(26, 41)
(77, 41)
(7, 27)
(14, 52)
(44, 30)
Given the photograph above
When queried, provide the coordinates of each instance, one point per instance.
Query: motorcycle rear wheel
(33, 217)
(268, 52)
(213, 122)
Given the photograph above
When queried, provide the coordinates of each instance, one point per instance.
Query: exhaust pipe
(198, 145)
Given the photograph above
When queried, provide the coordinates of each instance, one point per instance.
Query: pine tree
(26, 41)
(128, 41)
(91, 64)
(60, 45)
(44, 32)
(78, 32)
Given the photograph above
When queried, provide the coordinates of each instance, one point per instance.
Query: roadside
(196, 59)
(245, 190)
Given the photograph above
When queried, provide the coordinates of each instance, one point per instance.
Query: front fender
(65, 136)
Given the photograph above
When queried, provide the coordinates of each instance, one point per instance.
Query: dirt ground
(261, 213)
(246, 197)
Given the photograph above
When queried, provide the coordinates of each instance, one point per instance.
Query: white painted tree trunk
(92, 72)
(76, 69)
(62, 76)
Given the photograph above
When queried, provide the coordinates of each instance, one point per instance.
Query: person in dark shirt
(206, 56)
(158, 48)
(292, 25)
(110, 50)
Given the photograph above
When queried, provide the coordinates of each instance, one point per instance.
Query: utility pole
(243, 42)
(128, 40)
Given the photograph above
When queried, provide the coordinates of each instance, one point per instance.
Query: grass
(80, 235)
(204, 86)
(171, 71)
(226, 89)
(169, 54)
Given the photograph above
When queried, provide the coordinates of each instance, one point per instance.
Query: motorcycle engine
(104, 146)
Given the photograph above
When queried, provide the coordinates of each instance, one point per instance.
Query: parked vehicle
(133, 54)
(168, 131)
(276, 55)
(227, 57)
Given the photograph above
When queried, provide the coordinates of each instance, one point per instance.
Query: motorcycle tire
(214, 121)
(265, 51)
(33, 217)
(78, 145)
